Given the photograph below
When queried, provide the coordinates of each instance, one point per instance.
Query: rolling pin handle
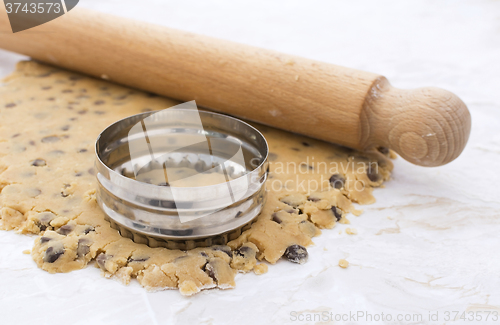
(426, 126)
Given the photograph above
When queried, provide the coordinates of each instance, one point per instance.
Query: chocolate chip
(83, 247)
(91, 171)
(210, 271)
(78, 174)
(51, 99)
(146, 110)
(16, 135)
(313, 199)
(101, 260)
(272, 156)
(66, 91)
(304, 165)
(65, 230)
(245, 251)
(43, 240)
(372, 174)
(83, 111)
(82, 150)
(99, 102)
(32, 143)
(295, 149)
(46, 87)
(223, 248)
(275, 218)
(142, 259)
(65, 128)
(121, 97)
(337, 213)
(238, 214)
(203, 254)
(51, 254)
(306, 144)
(50, 139)
(383, 150)
(337, 181)
(64, 194)
(10, 105)
(38, 163)
(296, 254)
(293, 200)
(88, 229)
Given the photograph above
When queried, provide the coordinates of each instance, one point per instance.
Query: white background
(437, 251)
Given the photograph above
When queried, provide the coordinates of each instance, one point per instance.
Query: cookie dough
(49, 120)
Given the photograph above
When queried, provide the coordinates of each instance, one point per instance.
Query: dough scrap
(49, 120)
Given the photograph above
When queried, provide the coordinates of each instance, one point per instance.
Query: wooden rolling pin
(426, 126)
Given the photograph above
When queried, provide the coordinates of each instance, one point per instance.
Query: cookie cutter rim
(107, 177)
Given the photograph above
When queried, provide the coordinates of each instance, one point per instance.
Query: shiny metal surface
(150, 209)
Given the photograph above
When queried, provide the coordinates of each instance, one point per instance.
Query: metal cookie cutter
(181, 178)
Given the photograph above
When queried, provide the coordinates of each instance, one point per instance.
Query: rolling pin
(357, 109)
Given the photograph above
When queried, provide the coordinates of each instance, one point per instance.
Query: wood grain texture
(428, 126)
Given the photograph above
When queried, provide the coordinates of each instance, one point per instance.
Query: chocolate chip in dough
(10, 105)
(38, 163)
(246, 251)
(337, 213)
(313, 199)
(67, 91)
(383, 150)
(138, 259)
(337, 181)
(82, 150)
(43, 240)
(65, 128)
(83, 247)
(275, 218)
(50, 139)
(99, 102)
(306, 144)
(223, 248)
(210, 271)
(65, 230)
(88, 229)
(52, 254)
(46, 87)
(272, 156)
(101, 260)
(372, 174)
(16, 135)
(296, 254)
